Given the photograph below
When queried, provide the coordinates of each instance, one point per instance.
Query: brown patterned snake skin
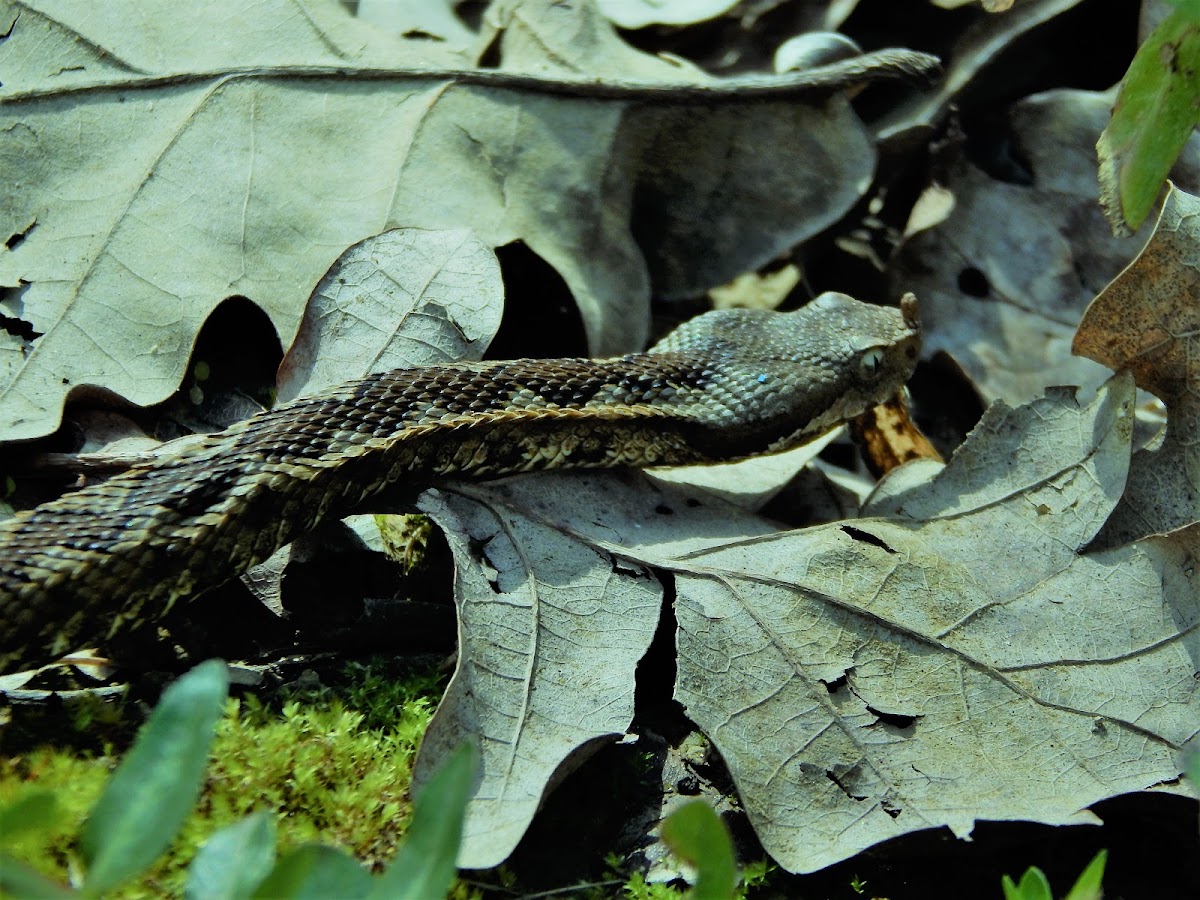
(725, 385)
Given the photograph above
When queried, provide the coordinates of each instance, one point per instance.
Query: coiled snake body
(723, 386)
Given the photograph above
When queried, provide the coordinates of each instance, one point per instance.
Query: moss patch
(333, 764)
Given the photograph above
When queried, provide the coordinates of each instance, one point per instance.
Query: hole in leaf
(867, 538)
(19, 328)
(417, 34)
(845, 781)
(629, 571)
(837, 684)
(14, 324)
(16, 239)
(895, 720)
(973, 283)
(477, 547)
(14, 297)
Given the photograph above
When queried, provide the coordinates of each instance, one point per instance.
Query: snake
(728, 384)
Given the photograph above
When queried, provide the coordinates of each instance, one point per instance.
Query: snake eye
(871, 362)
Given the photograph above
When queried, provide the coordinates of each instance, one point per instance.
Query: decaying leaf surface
(867, 680)
(203, 150)
(1004, 278)
(402, 298)
(1148, 321)
(550, 632)
(960, 661)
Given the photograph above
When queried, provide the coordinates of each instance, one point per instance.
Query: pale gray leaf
(403, 298)
(1004, 278)
(962, 662)
(550, 632)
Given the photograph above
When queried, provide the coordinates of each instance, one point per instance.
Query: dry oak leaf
(550, 633)
(403, 298)
(406, 297)
(1148, 321)
(960, 661)
(1005, 277)
(163, 162)
(977, 54)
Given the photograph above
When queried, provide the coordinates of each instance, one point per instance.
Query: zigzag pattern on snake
(726, 385)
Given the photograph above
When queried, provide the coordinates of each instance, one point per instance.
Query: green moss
(637, 888)
(405, 538)
(76, 780)
(333, 764)
(753, 876)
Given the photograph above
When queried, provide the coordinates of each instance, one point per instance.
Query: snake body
(725, 385)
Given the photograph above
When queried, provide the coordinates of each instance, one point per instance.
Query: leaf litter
(1004, 278)
(245, 148)
(969, 651)
(1148, 321)
(959, 660)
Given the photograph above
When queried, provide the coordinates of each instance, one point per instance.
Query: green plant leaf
(156, 784)
(1190, 8)
(35, 811)
(234, 861)
(1033, 886)
(425, 863)
(20, 880)
(696, 834)
(1087, 886)
(315, 872)
(1155, 114)
(1191, 768)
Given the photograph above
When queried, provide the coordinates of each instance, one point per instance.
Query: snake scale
(728, 384)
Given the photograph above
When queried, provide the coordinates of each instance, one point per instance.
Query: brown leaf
(1148, 321)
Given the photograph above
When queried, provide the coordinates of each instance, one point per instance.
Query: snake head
(775, 380)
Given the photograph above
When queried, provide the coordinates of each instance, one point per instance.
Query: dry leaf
(961, 661)
(203, 150)
(887, 436)
(1148, 321)
(975, 51)
(550, 633)
(1004, 279)
(402, 298)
